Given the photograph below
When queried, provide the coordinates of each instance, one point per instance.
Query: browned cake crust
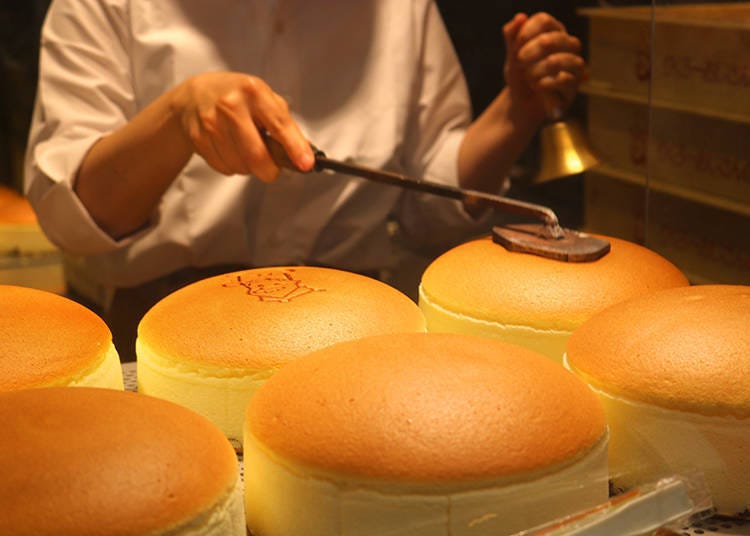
(426, 408)
(46, 339)
(78, 460)
(483, 280)
(256, 319)
(14, 208)
(686, 348)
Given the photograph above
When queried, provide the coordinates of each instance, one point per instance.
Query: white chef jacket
(375, 82)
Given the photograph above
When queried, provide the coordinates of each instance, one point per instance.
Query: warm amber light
(564, 151)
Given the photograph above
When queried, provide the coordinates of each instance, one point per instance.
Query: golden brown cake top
(15, 208)
(686, 348)
(79, 460)
(46, 339)
(259, 319)
(426, 407)
(483, 280)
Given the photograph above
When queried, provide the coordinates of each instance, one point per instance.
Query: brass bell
(564, 148)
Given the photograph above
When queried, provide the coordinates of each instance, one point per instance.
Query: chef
(146, 164)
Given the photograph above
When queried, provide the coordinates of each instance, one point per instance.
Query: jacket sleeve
(84, 92)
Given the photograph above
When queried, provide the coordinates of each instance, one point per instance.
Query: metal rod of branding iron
(547, 240)
(471, 197)
(550, 230)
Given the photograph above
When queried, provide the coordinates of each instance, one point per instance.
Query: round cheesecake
(19, 230)
(673, 371)
(15, 208)
(101, 462)
(211, 344)
(421, 433)
(48, 340)
(480, 288)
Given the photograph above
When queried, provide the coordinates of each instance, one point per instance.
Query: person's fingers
(255, 152)
(241, 141)
(550, 60)
(548, 44)
(228, 146)
(223, 114)
(536, 25)
(295, 143)
(563, 85)
(552, 65)
(510, 34)
(271, 112)
(202, 143)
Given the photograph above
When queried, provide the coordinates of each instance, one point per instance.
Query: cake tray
(718, 524)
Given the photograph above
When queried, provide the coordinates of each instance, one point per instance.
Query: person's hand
(223, 113)
(543, 66)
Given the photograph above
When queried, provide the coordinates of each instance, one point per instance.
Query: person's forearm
(493, 143)
(124, 175)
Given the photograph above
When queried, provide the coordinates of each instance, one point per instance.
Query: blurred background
(20, 22)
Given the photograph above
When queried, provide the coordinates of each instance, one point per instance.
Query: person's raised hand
(543, 65)
(223, 113)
